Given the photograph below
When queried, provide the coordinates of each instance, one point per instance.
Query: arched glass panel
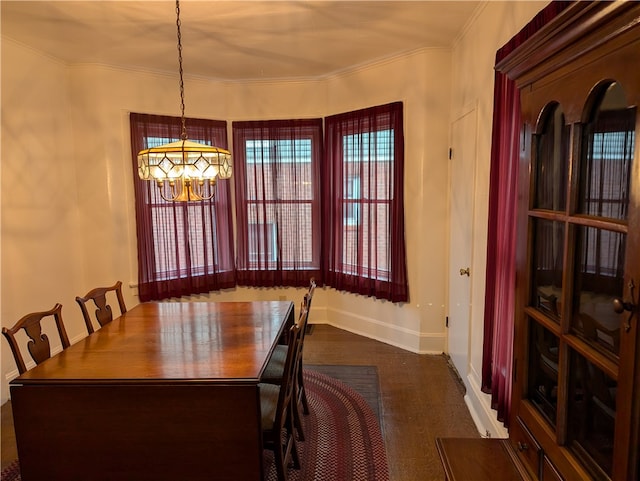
(552, 160)
(607, 155)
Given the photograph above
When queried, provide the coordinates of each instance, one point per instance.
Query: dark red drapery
(184, 248)
(363, 203)
(277, 190)
(501, 239)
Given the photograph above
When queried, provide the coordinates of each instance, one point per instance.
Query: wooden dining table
(167, 391)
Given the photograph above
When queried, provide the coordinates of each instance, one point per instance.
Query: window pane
(352, 198)
(367, 193)
(277, 201)
(598, 281)
(262, 243)
(605, 167)
(363, 192)
(280, 194)
(552, 162)
(543, 370)
(190, 236)
(592, 414)
(369, 252)
(547, 266)
(184, 248)
(272, 166)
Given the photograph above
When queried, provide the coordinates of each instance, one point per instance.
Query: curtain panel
(277, 191)
(363, 233)
(184, 248)
(499, 309)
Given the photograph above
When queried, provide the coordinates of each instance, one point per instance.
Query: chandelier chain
(184, 124)
(185, 171)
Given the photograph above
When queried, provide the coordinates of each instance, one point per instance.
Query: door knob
(619, 306)
(464, 272)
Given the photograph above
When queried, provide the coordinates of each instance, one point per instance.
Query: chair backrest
(305, 307)
(303, 317)
(302, 326)
(103, 312)
(287, 386)
(38, 345)
(312, 288)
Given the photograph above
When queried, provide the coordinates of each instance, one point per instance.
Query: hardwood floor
(8, 450)
(421, 399)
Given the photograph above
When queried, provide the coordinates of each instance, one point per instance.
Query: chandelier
(184, 170)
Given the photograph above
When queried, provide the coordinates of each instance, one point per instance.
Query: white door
(461, 194)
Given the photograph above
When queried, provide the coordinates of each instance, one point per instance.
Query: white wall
(41, 239)
(75, 228)
(473, 77)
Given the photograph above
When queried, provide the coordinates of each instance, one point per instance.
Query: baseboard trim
(398, 336)
(479, 405)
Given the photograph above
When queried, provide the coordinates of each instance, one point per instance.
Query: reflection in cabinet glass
(547, 266)
(592, 414)
(552, 161)
(605, 169)
(598, 282)
(543, 370)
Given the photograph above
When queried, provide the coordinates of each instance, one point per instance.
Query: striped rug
(343, 436)
(362, 379)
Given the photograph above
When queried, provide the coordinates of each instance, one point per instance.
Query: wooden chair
(312, 288)
(276, 407)
(273, 373)
(38, 345)
(103, 312)
(599, 334)
(301, 392)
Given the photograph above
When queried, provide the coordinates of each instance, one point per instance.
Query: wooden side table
(479, 459)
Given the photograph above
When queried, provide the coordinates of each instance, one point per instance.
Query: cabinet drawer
(477, 459)
(526, 446)
(549, 471)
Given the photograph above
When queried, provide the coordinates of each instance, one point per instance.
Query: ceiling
(235, 40)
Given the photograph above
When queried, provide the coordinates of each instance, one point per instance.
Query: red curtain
(277, 188)
(184, 248)
(500, 276)
(363, 203)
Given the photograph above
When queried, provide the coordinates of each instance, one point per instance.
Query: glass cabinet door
(577, 259)
(602, 204)
(549, 201)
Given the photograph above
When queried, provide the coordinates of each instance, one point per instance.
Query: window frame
(183, 258)
(367, 257)
(274, 180)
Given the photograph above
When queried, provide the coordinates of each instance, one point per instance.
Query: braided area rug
(343, 437)
(11, 472)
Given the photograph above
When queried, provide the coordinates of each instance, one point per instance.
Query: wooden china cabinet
(576, 388)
